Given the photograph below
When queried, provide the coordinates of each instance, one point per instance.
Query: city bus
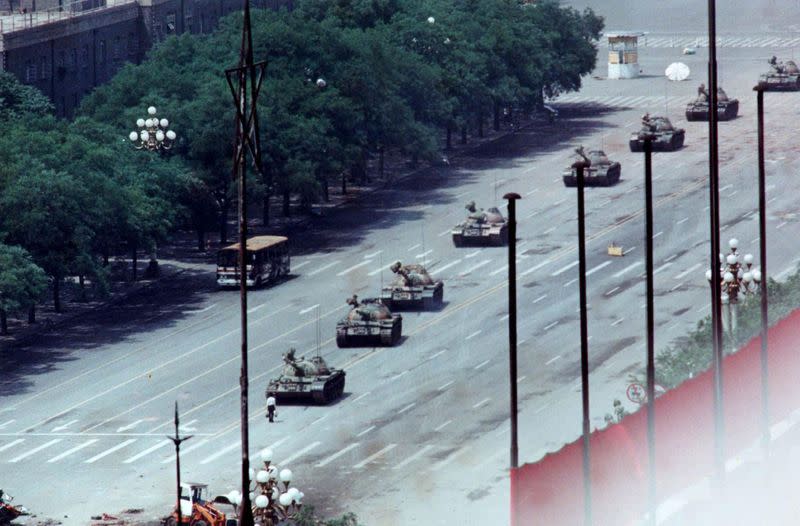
(267, 261)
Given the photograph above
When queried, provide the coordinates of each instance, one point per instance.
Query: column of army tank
(372, 322)
(666, 137)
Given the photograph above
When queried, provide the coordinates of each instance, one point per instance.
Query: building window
(30, 71)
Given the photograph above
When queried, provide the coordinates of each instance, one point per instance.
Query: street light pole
(766, 436)
(177, 439)
(247, 77)
(580, 167)
(651, 369)
(512, 320)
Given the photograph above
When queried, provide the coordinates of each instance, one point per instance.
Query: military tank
(368, 323)
(413, 287)
(697, 110)
(600, 172)
(666, 137)
(782, 76)
(481, 228)
(307, 379)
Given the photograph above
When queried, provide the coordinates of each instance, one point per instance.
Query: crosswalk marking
(111, 450)
(375, 456)
(672, 41)
(147, 451)
(35, 450)
(73, 450)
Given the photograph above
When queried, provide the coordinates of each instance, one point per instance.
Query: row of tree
(346, 80)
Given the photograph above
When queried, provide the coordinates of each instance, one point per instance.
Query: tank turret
(665, 136)
(781, 76)
(307, 379)
(369, 321)
(697, 110)
(412, 287)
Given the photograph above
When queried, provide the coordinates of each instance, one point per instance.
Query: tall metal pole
(580, 166)
(716, 305)
(177, 439)
(512, 337)
(651, 368)
(246, 140)
(762, 232)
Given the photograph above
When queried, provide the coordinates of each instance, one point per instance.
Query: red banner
(550, 492)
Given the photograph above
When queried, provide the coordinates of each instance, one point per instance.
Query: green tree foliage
(22, 282)
(17, 99)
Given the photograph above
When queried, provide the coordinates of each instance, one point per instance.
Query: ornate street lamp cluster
(153, 133)
(735, 278)
(270, 505)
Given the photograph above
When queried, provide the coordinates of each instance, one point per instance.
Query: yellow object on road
(614, 250)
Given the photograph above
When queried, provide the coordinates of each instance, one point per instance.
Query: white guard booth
(623, 55)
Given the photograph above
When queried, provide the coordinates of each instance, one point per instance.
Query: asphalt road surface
(421, 435)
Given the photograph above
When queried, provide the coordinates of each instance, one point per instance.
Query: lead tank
(481, 228)
(413, 287)
(666, 137)
(307, 380)
(697, 110)
(600, 172)
(781, 77)
(369, 322)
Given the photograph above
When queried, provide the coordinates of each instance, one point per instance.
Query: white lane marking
(411, 249)
(617, 322)
(367, 430)
(258, 307)
(361, 396)
(598, 267)
(354, 267)
(704, 307)
(781, 225)
(6, 423)
(540, 298)
(370, 256)
(685, 219)
(130, 426)
(756, 240)
(299, 453)
(445, 386)
(481, 364)
(551, 360)
(476, 267)
(533, 213)
(399, 375)
(481, 403)
(784, 272)
(689, 270)
(462, 194)
(657, 234)
(521, 378)
(498, 271)
(35, 450)
(406, 408)
(441, 234)
(12, 444)
(570, 282)
(377, 271)
(771, 200)
(374, 456)
(504, 317)
(420, 256)
(203, 310)
(532, 191)
(63, 426)
(612, 291)
(626, 269)
(191, 447)
(472, 255)
(431, 357)
(413, 457)
(442, 426)
(562, 200)
(564, 269)
(226, 449)
(549, 230)
(450, 458)
(670, 258)
(309, 309)
(323, 268)
(535, 267)
(444, 267)
(109, 451)
(676, 287)
(338, 454)
(473, 334)
(662, 267)
(725, 187)
(73, 450)
(548, 327)
(625, 253)
(146, 452)
(301, 264)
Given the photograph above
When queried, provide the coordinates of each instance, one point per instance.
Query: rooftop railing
(26, 20)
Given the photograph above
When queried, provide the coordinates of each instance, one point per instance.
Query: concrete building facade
(66, 49)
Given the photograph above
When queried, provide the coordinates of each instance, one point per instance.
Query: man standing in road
(272, 412)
